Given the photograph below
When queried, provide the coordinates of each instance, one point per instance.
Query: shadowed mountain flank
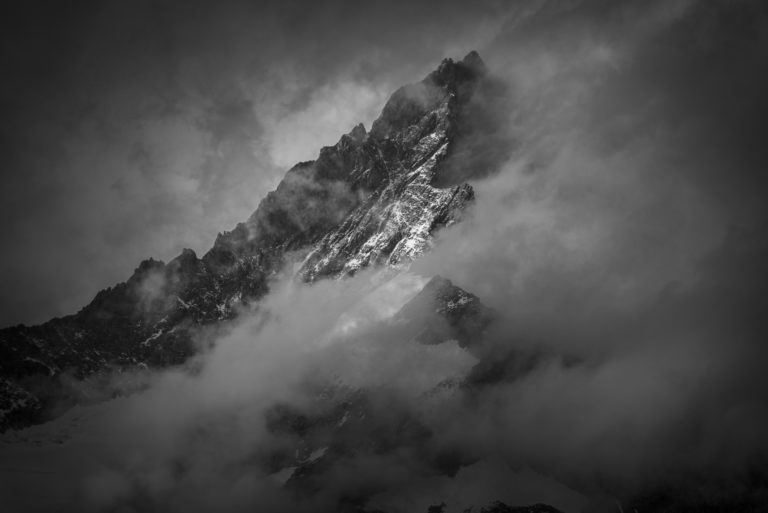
(374, 198)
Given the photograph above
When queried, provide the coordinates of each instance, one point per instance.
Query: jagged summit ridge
(413, 136)
(373, 198)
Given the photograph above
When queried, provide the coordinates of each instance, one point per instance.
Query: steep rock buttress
(374, 198)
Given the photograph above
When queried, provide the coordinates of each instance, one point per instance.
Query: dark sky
(134, 129)
(627, 232)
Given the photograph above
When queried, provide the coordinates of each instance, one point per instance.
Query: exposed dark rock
(442, 311)
(374, 198)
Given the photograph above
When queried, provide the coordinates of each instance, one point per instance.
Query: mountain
(374, 198)
(442, 311)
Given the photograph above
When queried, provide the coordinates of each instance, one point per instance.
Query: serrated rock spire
(371, 199)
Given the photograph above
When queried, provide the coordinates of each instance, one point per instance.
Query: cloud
(613, 242)
(133, 131)
(197, 438)
(622, 242)
(331, 111)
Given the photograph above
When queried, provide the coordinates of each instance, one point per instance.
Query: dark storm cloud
(625, 238)
(135, 129)
(629, 231)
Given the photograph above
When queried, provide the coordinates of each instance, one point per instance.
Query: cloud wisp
(621, 243)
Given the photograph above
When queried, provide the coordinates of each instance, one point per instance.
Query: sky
(626, 232)
(136, 129)
(133, 130)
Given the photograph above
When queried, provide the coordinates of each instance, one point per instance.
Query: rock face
(374, 198)
(346, 422)
(442, 311)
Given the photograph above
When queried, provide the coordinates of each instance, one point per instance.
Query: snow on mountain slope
(375, 198)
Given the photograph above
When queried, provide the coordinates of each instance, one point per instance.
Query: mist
(621, 239)
(624, 243)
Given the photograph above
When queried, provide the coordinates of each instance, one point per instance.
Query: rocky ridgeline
(374, 198)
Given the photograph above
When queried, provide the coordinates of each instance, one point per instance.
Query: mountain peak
(373, 199)
(444, 90)
(454, 75)
(473, 61)
(442, 311)
(358, 132)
